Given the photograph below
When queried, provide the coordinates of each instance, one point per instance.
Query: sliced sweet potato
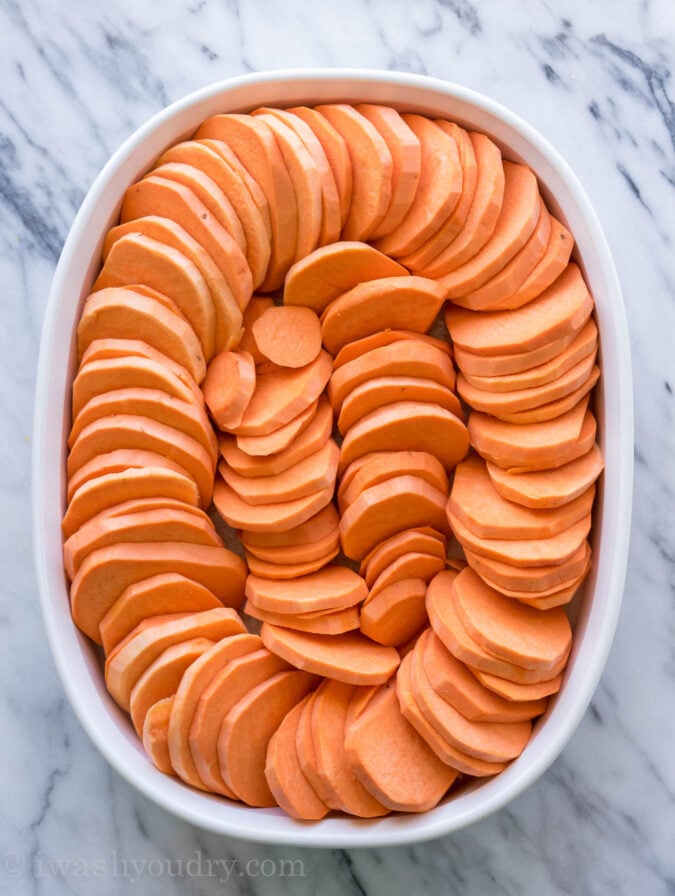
(518, 216)
(228, 387)
(295, 553)
(155, 596)
(328, 723)
(382, 465)
(286, 571)
(155, 735)
(483, 214)
(289, 336)
(517, 362)
(331, 622)
(392, 761)
(283, 772)
(564, 306)
(323, 523)
(502, 284)
(148, 526)
(255, 146)
(455, 221)
(549, 488)
(105, 491)
(402, 502)
(410, 303)
(106, 572)
(453, 681)
(116, 462)
(334, 587)
(248, 728)
(141, 647)
(385, 337)
(516, 692)
(396, 613)
(313, 437)
(552, 409)
(411, 565)
(372, 169)
(406, 157)
(438, 190)
(411, 426)
(384, 390)
(532, 578)
(128, 314)
(446, 752)
(426, 540)
(191, 688)
(278, 516)
(349, 657)
(277, 441)
(407, 357)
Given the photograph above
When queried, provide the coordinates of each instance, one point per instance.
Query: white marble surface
(595, 78)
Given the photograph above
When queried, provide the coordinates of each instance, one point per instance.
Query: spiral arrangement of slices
(351, 342)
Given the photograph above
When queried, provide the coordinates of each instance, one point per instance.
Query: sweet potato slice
(438, 190)
(228, 387)
(516, 692)
(348, 657)
(155, 596)
(148, 526)
(411, 426)
(315, 472)
(281, 396)
(382, 465)
(323, 522)
(256, 148)
(407, 302)
(141, 647)
(411, 565)
(518, 216)
(278, 516)
(426, 540)
(187, 416)
(533, 639)
(128, 314)
(287, 335)
(162, 677)
(536, 445)
(192, 686)
(552, 409)
(217, 161)
(102, 492)
(549, 488)
(331, 211)
(313, 437)
(105, 574)
(116, 462)
(226, 308)
(248, 728)
(155, 735)
(455, 221)
(305, 178)
(402, 502)
(136, 258)
(479, 506)
(502, 284)
(131, 431)
(564, 306)
(446, 752)
(530, 578)
(547, 271)
(167, 198)
(280, 439)
(449, 628)
(517, 362)
(372, 169)
(333, 588)
(482, 217)
(317, 280)
(392, 761)
(489, 741)
(242, 671)
(407, 357)
(328, 723)
(288, 783)
(331, 622)
(453, 681)
(396, 613)
(406, 156)
(581, 347)
(295, 553)
(385, 390)
(270, 570)
(385, 337)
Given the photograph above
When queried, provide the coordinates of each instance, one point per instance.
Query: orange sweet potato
(396, 613)
(228, 387)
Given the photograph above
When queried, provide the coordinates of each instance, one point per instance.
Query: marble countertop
(75, 80)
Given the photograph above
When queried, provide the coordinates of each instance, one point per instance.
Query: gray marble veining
(597, 81)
